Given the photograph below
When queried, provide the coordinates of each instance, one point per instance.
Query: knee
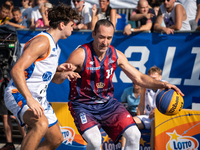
(40, 124)
(94, 141)
(133, 135)
(57, 141)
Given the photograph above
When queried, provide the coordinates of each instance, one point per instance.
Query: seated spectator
(192, 8)
(4, 11)
(86, 12)
(35, 14)
(11, 4)
(146, 107)
(26, 9)
(43, 23)
(130, 98)
(104, 12)
(143, 16)
(17, 21)
(168, 11)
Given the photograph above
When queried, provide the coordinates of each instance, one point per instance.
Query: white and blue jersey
(38, 75)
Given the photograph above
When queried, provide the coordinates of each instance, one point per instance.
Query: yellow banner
(177, 132)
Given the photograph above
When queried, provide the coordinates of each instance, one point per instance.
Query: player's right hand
(65, 67)
(35, 106)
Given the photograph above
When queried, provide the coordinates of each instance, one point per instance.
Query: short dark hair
(62, 13)
(154, 69)
(16, 9)
(5, 6)
(104, 22)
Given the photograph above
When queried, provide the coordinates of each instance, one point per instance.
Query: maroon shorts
(112, 116)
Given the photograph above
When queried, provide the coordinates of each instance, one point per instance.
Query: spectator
(85, 11)
(192, 8)
(146, 107)
(26, 9)
(35, 14)
(32, 3)
(43, 22)
(11, 4)
(130, 99)
(4, 11)
(104, 12)
(17, 20)
(168, 11)
(144, 17)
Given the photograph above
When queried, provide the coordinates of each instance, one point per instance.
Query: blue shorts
(112, 116)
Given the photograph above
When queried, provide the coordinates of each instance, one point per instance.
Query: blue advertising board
(178, 55)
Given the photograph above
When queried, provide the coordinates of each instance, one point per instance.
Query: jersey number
(109, 73)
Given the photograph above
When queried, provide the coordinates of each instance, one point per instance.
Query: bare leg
(7, 125)
(152, 134)
(139, 123)
(38, 128)
(123, 141)
(53, 138)
(21, 130)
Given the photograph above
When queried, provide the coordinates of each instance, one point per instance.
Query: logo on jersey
(179, 142)
(83, 118)
(47, 76)
(110, 61)
(42, 89)
(93, 68)
(100, 85)
(68, 135)
(91, 63)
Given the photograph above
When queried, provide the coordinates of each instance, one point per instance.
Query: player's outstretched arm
(75, 60)
(140, 78)
(34, 50)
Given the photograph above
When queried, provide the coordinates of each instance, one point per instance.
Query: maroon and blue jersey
(95, 84)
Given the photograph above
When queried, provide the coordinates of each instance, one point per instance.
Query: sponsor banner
(177, 132)
(71, 136)
(178, 55)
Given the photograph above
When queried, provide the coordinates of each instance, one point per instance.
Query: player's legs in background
(53, 138)
(93, 138)
(132, 135)
(139, 123)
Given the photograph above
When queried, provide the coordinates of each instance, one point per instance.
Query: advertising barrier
(177, 132)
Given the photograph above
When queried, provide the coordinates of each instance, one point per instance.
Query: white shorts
(17, 105)
(146, 121)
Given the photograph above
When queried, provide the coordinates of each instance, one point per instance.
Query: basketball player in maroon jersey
(91, 97)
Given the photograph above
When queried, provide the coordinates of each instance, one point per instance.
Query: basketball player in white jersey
(146, 107)
(25, 95)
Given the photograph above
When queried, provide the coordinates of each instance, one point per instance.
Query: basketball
(169, 102)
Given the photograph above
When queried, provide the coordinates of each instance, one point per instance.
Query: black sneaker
(8, 147)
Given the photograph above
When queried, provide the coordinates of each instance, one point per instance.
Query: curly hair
(62, 13)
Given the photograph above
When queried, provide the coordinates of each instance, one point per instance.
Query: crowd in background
(149, 15)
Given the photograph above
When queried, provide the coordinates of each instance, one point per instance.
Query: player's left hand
(171, 86)
(65, 67)
(70, 75)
